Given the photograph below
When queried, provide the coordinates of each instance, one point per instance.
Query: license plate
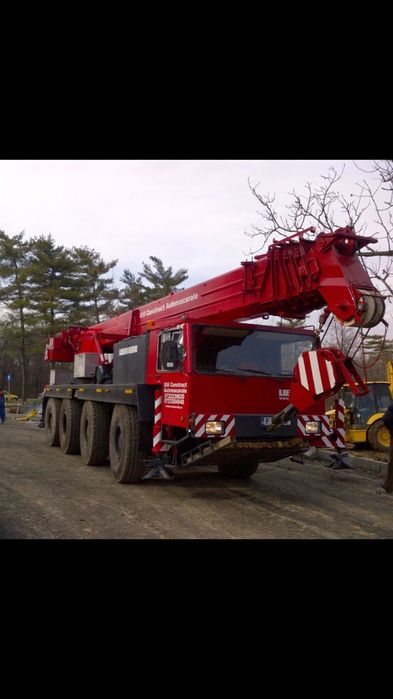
(267, 420)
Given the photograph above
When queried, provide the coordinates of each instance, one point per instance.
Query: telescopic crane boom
(295, 277)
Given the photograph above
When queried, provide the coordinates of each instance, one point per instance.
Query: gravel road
(45, 494)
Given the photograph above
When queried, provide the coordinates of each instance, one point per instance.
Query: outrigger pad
(338, 461)
(160, 472)
(298, 458)
(335, 461)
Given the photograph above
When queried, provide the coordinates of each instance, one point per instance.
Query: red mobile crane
(185, 380)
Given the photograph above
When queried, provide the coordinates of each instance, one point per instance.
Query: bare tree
(324, 207)
(377, 190)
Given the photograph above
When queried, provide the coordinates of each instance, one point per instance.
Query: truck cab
(227, 380)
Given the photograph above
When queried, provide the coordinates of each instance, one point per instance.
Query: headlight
(313, 427)
(214, 427)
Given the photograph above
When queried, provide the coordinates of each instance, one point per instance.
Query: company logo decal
(128, 350)
(168, 305)
(283, 393)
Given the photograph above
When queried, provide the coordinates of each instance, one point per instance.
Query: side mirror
(171, 355)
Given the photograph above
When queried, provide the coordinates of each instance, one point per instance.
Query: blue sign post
(9, 379)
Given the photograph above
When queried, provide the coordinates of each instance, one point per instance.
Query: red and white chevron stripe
(326, 438)
(339, 406)
(201, 420)
(158, 445)
(316, 372)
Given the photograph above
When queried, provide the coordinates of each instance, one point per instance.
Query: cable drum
(371, 308)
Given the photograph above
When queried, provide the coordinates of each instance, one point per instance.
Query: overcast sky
(189, 213)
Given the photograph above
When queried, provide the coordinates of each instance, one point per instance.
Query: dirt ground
(45, 494)
(371, 454)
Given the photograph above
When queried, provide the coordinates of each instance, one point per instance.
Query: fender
(374, 418)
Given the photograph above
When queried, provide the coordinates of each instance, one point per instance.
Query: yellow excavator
(363, 414)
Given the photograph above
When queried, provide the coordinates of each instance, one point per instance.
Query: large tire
(378, 436)
(94, 433)
(52, 414)
(69, 425)
(125, 454)
(235, 471)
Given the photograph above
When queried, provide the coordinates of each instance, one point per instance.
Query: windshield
(245, 351)
(376, 400)
(382, 396)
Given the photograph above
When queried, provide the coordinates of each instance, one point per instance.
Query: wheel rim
(384, 436)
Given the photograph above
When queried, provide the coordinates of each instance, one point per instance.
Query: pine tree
(52, 282)
(163, 280)
(14, 296)
(133, 293)
(378, 350)
(93, 294)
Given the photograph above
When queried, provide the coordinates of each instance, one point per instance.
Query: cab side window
(171, 352)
